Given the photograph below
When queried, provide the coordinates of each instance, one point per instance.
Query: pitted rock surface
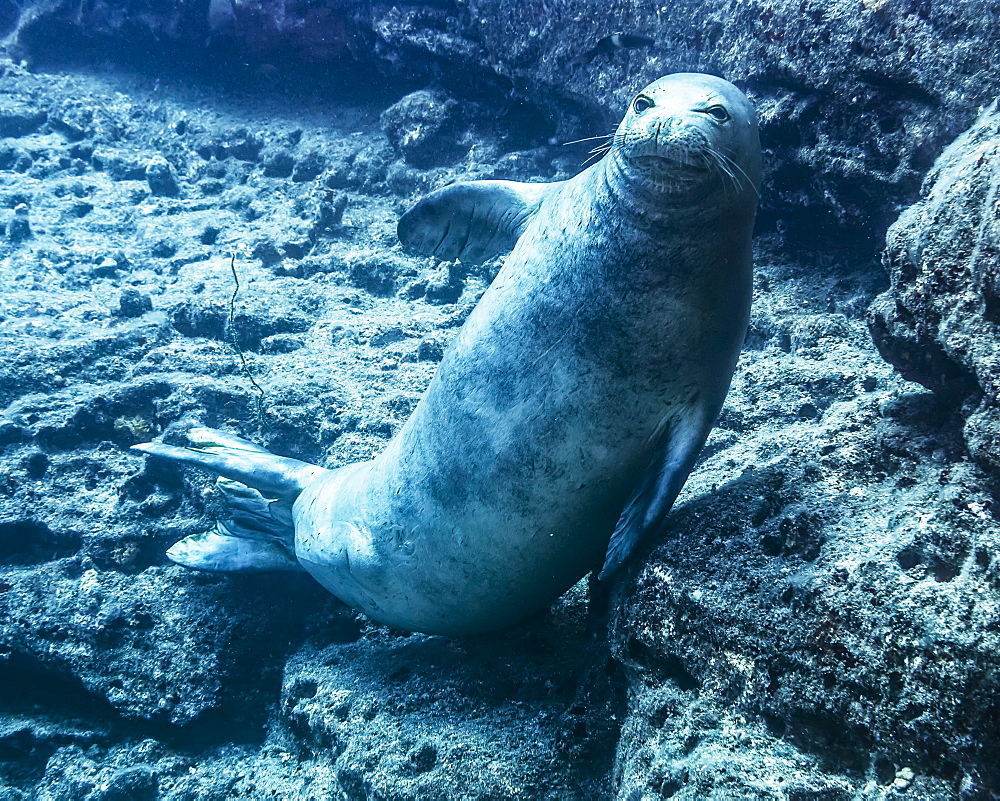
(939, 323)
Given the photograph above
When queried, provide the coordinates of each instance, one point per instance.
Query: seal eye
(641, 104)
(718, 113)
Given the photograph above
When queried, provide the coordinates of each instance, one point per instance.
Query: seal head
(686, 137)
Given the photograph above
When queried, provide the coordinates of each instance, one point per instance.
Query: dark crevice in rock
(347, 60)
(28, 542)
(839, 748)
(900, 88)
(29, 687)
(33, 689)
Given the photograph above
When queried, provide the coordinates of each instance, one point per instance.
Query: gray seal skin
(567, 413)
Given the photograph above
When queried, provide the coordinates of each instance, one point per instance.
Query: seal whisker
(589, 139)
(716, 160)
(598, 151)
(724, 165)
(731, 162)
(596, 154)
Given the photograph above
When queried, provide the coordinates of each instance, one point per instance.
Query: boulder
(939, 322)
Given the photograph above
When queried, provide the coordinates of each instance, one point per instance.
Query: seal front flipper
(471, 221)
(677, 446)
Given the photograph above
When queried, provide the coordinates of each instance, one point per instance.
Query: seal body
(568, 411)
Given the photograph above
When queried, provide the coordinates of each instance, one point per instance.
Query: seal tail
(259, 489)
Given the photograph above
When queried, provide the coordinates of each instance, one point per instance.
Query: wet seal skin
(568, 411)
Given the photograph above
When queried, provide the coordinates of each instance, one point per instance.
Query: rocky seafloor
(204, 233)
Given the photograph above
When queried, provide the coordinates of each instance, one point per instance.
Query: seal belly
(515, 465)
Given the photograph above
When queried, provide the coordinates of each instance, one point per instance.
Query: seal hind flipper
(259, 489)
(204, 437)
(218, 550)
(251, 512)
(471, 221)
(678, 444)
(227, 455)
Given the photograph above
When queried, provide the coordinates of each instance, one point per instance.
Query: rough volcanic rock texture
(824, 623)
(817, 620)
(939, 323)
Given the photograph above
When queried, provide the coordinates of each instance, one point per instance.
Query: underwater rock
(119, 164)
(364, 170)
(246, 327)
(277, 162)
(160, 177)
(19, 227)
(423, 127)
(377, 274)
(369, 702)
(309, 166)
(138, 783)
(445, 286)
(328, 212)
(18, 119)
(826, 634)
(817, 621)
(135, 646)
(132, 303)
(938, 322)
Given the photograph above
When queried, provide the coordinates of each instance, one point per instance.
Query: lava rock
(855, 101)
(308, 167)
(243, 327)
(120, 165)
(14, 159)
(160, 177)
(938, 322)
(132, 303)
(377, 274)
(446, 285)
(19, 227)
(429, 350)
(423, 127)
(771, 602)
(329, 212)
(137, 783)
(277, 163)
(200, 319)
(19, 119)
(11, 433)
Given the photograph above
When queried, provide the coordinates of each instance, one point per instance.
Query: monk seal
(569, 409)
